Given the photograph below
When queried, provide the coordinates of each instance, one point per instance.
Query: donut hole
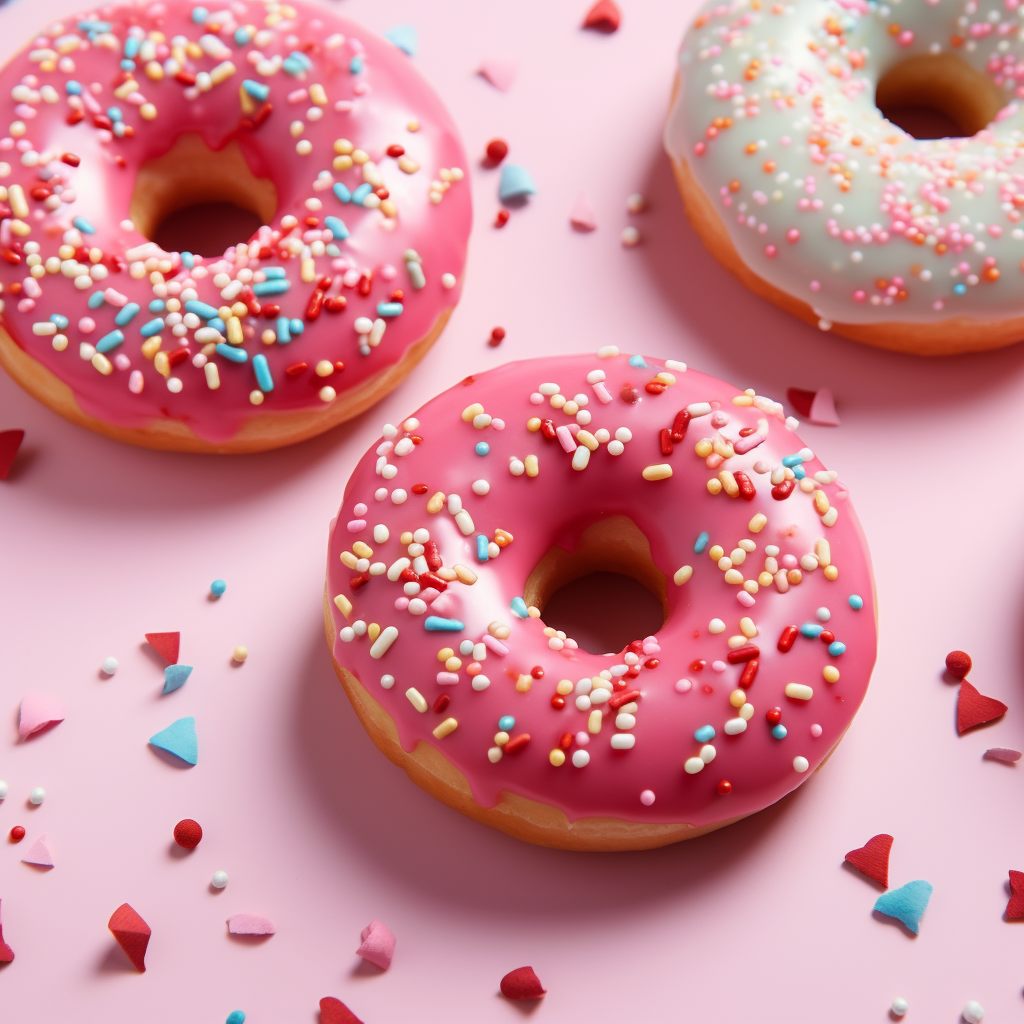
(603, 593)
(934, 96)
(195, 199)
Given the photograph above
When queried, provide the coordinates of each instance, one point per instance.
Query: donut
(798, 184)
(120, 117)
(457, 528)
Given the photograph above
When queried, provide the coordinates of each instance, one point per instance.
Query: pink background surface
(100, 543)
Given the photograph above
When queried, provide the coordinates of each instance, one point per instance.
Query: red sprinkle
(787, 638)
(359, 581)
(502, 219)
(783, 490)
(497, 150)
(565, 740)
(537, 672)
(395, 151)
(497, 337)
(558, 702)
(749, 672)
(70, 159)
(296, 368)
(746, 486)
(604, 16)
(958, 664)
(679, 425)
(745, 653)
(432, 555)
(724, 787)
(629, 394)
(623, 698)
(419, 488)
(666, 441)
(442, 702)
(547, 428)
(187, 833)
(654, 387)
(774, 716)
(17, 833)
(517, 743)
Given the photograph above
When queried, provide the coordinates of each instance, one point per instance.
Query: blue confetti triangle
(907, 903)
(405, 38)
(179, 739)
(175, 676)
(637, 362)
(516, 183)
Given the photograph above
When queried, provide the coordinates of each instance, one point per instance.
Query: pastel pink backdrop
(100, 543)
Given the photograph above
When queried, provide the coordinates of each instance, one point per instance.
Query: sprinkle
(701, 543)
(973, 1012)
(899, 1006)
(110, 341)
(217, 588)
(219, 879)
(336, 227)
(404, 37)
(84, 226)
(661, 471)
(856, 602)
(377, 944)
(496, 150)
(630, 236)
(436, 624)
(262, 370)
(416, 699)
(257, 90)
(446, 728)
(239, 654)
(872, 859)
(234, 355)
(582, 216)
(109, 665)
(958, 664)
(250, 924)
(272, 286)
(906, 904)
(1007, 754)
(603, 16)
(383, 642)
(389, 309)
(799, 691)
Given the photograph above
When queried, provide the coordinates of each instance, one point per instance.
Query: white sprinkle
(380, 646)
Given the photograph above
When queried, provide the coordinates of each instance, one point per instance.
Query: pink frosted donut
(119, 117)
(457, 527)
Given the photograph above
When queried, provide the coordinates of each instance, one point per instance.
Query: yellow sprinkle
(126, 88)
(557, 757)
(436, 502)
(16, 198)
(747, 627)
(256, 396)
(348, 559)
(362, 550)
(799, 691)
(523, 683)
(831, 674)
(823, 551)
(240, 653)
(344, 606)
(103, 364)
(831, 572)
(307, 271)
(342, 163)
(683, 573)
(465, 574)
(445, 653)
(154, 70)
(503, 538)
(704, 448)
(373, 631)
(661, 471)
(452, 664)
(234, 330)
(471, 411)
(151, 346)
(594, 722)
(715, 552)
(587, 438)
(416, 699)
(758, 523)
(407, 165)
(729, 483)
(532, 467)
(212, 375)
(821, 505)
(446, 728)
(317, 94)
(564, 687)
(162, 364)
(148, 112)
(222, 72)
(743, 400)
(714, 486)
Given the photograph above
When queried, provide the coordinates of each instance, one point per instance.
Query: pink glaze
(662, 778)
(357, 88)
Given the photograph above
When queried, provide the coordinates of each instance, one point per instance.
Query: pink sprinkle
(497, 424)
(770, 251)
(388, 272)
(815, 730)
(87, 325)
(121, 361)
(536, 398)
(1002, 754)
(745, 599)
(995, 230)
(683, 685)
(565, 439)
(447, 678)
(114, 298)
(135, 382)
(359, 510)
(494, 645)
(860, 295)
(905, 38)
(718, 666)
(355, 525)
(647, 797)
(793, 235)
(582, 739)
(815, 286)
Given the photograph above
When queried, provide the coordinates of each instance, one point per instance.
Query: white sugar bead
(37, 796)
(109, 665)
(974, 1012)
(219, 880)
(899, 1006)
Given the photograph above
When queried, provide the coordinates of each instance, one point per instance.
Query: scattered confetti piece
(179, 739)
(958, 664)
(17, 833)
(405, 38)
(334, 1011)
(636, 203)
(37, 711)
(823, 409)
(217, 588)
(582, 214)
(1007, 754)
(800, 400)
(630, 236)
(899, 1006)
(872, 859)
(522, 984)
(378, 944)
(6, 953)
(604, 16)
(501, 72)
(132, 934)
(516, 183)
(973, 708)
(175, 676)
(219, 880)
(10, 442)
(907, 903)
(250, 924)
(109, 665)
(501, 219)
(497, 150)
(974, 1012)
(188, 833)
(39, 854)
(166, 645)
(240, 653)
(1015, 908)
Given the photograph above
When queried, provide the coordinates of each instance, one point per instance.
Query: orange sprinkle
(768, 166)
(991, 274)
(750, 148)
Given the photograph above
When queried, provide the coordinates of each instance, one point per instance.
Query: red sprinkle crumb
(17, 833)
(497, 150)
(502, 219)
(497, 337)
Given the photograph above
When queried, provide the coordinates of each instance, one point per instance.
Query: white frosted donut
(798, 183)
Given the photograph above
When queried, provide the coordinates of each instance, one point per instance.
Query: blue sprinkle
(301, 58)
(519, 609)
(482, 447)
(292, 67)
(907, 903)
(637, 362)
(356, 64)
(131, 46)
(856, 602)
(284, 335)
(199, 15)
(361, 192)
(481, 548)
(119, 129)
(127, 313)
(704, 734)
(799, 472)
(275, 272)
(217, 324)
(60, 320)
(436, 624)
(235, 355)
(263, 378)
(175, 677)
(188, 259)
(342, 192)
(296, 327)
(959, 289)
(779, 732)
(236, 1017)
(823, 614)
(202, 309)
(389, 309)
(336, 226)
(836, 648)
(274, 286)
(257, 90)
(73, 88)
(702, 543)
(95, 300)
(153, 327)
(114, 113)
(404, 37)
(789, 461)
(84, 226)
(127, 65)
(242, 36)
(811, 630)
(109, 341)
(516, 183)
(157, 306)
(179, 739)
(506, 723)
(217, 587)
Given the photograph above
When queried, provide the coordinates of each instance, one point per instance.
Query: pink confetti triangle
(823, 409)
(378, 944)
(37, 712)
(582, 215)
(250, 924)
(501, 72)
(1007, 754)
(39, 854)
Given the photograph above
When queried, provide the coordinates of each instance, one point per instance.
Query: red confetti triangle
(522, 984)
(7, 954)
(973, 708)
(334, 1011)
(10, 442)
(1015, 908)
(800, 400)
(872, 859)
(165, 644)
(132, 934)
(604, 15)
